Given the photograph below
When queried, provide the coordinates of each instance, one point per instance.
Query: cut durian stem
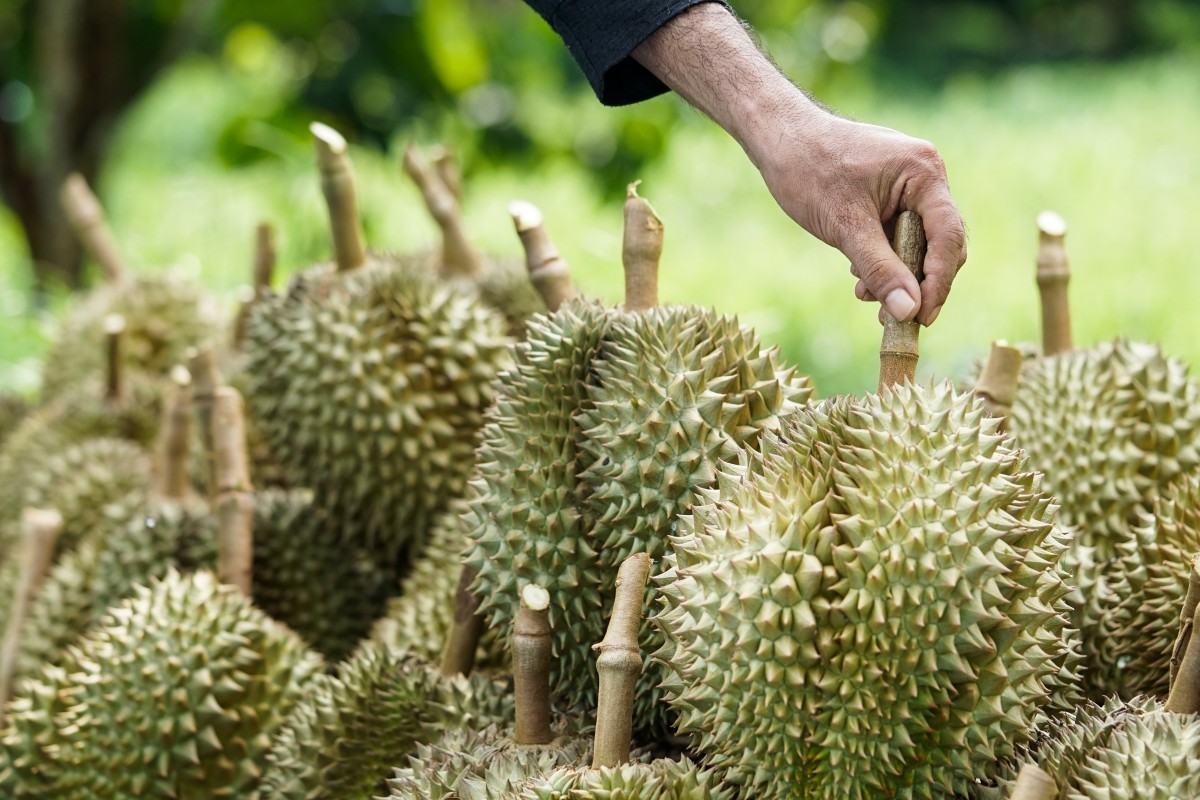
(1186, 618)
(86, 216)
(1033, 784)
(114, 331)
(997, 384)
(548, 271)
(899, 349)
(446, 165)
(176, 438)
(459, 256)
(42, 529)
(620, 664)
(641, 250)
(531, 667)
(202, 365)
(235, 499)
(263, 273)
(1184, 697)
(1053, 274)
(341, 196)
(459, 656)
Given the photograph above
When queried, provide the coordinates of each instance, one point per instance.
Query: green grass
(1110, 148)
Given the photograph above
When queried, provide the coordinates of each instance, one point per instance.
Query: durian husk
(174, 695)
(660, 779)
(871, 603)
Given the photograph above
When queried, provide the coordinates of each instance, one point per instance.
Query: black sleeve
(602, 33)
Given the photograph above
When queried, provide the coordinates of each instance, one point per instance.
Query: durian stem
(548, 271)
(341, 197)
(235, 498)
(176, 437)
(1190, 601)
(620, 664)
(263, 273)
(42, 529)
(1033, 784)
(1053, 274)
(641, 250)
(86, 217)
(531, 667)
(997, 384)
(446, 165)
(114, 369)
(459, 256)
(459, 655)
(202, 365)
(899, 349)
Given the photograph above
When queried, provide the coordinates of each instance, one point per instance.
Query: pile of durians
(433, 525)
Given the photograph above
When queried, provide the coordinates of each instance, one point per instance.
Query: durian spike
(548, 271)
(1190, 601)
(341, 196)
(86, 216)
(114, 369)
(42, 529)
(1053, 273)
(641, 249)
(531, 667)
(235, 499)
(1034, 784)
(997, 384)
(263, 273)
(459, 656)
(459, 256)
(620, 664)
(202, 365)
(899, 349)
(446, 165)
(176, 437)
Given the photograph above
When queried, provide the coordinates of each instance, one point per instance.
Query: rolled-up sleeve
(601, 34)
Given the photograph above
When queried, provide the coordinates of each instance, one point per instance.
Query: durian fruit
(174, 695)
(870, 603)
(660, 779)
(344, 738)
(370, 382)
(165, 313)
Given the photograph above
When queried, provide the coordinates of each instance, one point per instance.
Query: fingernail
(899, 304)
(933, 316)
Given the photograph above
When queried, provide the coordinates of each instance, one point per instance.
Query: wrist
(775, 123)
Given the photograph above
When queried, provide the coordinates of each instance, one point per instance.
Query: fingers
(947, 250)
(881, 273)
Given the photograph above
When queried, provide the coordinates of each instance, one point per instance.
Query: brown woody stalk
(548, 271)
(86, 217)
(641, 250)
(997, 384)
(459, 256)
(446, 165)
(202, 365)
(459, 656)
(531, 667)
(235, 497)
(263, 273)
(341, 196)
(114, 368)
(620, 664)
(1053, 274)
(42, 529)
(1184, 639)
(1033, 784)
(899, 349)
(174, 444)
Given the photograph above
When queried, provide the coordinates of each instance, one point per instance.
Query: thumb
(882, 272)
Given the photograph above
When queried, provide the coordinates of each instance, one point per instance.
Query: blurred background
(190, 119)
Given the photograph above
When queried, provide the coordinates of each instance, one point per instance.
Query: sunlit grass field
(1113, 149)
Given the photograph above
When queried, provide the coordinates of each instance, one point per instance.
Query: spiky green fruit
(370, 388)
(661, 779)
(485, 765)
(871, 603)
(524, 512)
(676, 390)
(174, 695)
(164, 314)
(1154, 756)
(505, 286)
(347, 735)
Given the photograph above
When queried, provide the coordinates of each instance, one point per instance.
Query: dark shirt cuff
(601, 36)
